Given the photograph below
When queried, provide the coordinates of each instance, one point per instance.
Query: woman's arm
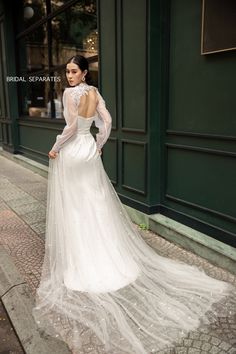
(70, 113)
(103, 122)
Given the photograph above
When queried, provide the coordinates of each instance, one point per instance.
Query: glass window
(33, 51)
(29, 12)
(74, 31)
(56, 4)
(41, 96)
(44, 47)
(33, 11)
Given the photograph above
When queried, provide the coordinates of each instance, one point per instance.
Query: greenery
(143, 226)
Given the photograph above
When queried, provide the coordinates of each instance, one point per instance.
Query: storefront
(172, 147)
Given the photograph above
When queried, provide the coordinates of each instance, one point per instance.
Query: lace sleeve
(70, 113)
(103, 122)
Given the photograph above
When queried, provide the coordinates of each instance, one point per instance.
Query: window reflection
(44, 49)
(33, 11)
(41, 95)
(56, 4)
(33, 51)
(75, 32)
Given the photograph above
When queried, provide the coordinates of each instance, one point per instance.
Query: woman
(99, 278)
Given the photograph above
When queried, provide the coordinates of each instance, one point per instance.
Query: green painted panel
(134, 63)
(200, 169)
(157, 93)
(206, 180)
(1, 7)
(210, 224)
(202, 88)
(204, 142)
(109, 159)
(107, 54)
(134, 166)
(37, 139)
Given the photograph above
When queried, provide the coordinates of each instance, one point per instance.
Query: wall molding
(38, 152)
(200, 135)
(202, 150)
(125, 186)
(201, 208)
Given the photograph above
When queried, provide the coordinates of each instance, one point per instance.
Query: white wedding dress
(100, 280)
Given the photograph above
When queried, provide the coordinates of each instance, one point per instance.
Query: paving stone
(21, 201)
(181, 350)
(188, 342)
(23, 209)
(8, 338)
(232, 341)
(12, 195)
(204, 330)
(3, 206)
(197, 344)
(206, 346)
(215, 341)
(34, 216)
(224, 346)
(194, 335)
(39, 227)
(42, 234)
(232, 351)
(205, 337)
(216, 350)
(193, 351)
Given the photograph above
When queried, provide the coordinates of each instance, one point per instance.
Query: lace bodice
(76, 123)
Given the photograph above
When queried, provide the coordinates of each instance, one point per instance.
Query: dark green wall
(200, 128)
(8, 98)
(123, 66)
(133, 80)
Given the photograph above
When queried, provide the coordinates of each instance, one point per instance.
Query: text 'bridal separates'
(100, 280)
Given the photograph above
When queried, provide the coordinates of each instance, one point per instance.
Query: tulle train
(101, 281)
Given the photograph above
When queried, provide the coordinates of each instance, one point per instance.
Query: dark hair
(83, 64)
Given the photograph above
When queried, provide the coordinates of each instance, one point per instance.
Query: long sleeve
(70, 113)
(103, 122)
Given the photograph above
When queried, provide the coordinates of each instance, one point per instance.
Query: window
(48, 33)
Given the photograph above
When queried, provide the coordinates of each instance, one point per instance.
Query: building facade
(172, 147)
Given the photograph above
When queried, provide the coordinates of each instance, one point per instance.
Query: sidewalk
(22, 230)
(9, 340)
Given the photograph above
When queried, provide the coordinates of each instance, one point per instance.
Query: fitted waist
(83, 132)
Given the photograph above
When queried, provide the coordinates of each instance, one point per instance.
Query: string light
(91, 41)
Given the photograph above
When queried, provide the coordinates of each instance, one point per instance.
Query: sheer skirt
(100, 280)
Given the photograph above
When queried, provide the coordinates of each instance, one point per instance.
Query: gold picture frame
(218, 32)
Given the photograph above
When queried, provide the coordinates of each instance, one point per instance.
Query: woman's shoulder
(79, 90)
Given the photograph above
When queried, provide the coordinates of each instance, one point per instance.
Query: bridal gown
(100, 280)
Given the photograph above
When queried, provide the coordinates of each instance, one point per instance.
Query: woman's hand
(52, 154)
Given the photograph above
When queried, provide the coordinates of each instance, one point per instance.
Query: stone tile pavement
(9, 342)
(23, 196)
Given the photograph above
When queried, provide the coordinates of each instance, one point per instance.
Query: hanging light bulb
(28, 12)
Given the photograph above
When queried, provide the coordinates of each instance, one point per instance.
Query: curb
(18, 301)
(214, 251)
(26, 162)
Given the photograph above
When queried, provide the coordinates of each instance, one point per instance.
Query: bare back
(88, 104)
